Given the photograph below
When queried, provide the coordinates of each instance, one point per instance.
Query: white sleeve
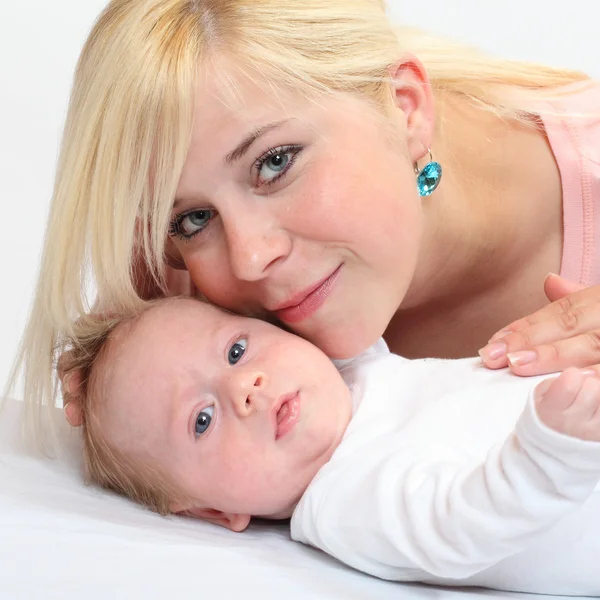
(401, 515)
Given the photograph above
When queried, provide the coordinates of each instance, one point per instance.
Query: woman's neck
(492, 231)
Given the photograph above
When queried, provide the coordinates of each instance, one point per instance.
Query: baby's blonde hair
(130, 120)
(89, 358)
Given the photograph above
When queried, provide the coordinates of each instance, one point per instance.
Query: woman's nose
(245, 389)
(256, 243)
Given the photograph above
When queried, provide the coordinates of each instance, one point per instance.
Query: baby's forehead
(138, 364)
(183, 310)
(160, 337)
(169, 316)
(168, 339)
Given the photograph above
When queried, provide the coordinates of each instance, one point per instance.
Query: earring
(428, 178)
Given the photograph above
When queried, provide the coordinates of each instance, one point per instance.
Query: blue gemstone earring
(429, 177)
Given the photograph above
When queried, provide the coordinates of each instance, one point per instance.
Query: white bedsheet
(60, 539)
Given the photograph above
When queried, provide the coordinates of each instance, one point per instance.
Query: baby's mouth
(287, 415)
(283, 411)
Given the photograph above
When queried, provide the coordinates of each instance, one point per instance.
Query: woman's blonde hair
(130, 119)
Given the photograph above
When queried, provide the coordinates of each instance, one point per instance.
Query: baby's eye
(203, 420)
(237, 351)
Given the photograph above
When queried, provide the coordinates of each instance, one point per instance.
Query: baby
(411, 470)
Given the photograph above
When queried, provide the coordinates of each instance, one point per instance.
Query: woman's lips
(287, 414)
(311, 302)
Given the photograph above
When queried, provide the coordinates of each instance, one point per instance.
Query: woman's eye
(191, 223)
(236, 351)
(203, 420)
(276, 163)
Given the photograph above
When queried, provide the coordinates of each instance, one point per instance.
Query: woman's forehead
(226, 89)
(230, 96)
(231, 107)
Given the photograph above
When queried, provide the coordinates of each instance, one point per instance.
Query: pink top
(575, 142)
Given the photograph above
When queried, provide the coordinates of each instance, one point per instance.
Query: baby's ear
(233, 521)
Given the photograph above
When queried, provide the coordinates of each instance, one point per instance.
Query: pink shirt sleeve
(572, 125)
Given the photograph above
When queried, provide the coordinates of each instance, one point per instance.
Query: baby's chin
(283, 507)
(282, 515)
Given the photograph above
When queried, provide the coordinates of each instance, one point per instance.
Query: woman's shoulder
(571, 119)
(578, 102)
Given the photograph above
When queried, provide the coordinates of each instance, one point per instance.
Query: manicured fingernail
(493, 351)
(522, 358)
(498, 336)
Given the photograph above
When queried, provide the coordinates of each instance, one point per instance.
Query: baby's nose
(246, 392)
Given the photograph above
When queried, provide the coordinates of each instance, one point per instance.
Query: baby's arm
(416, 515)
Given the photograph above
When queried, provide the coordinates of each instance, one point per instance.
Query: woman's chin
(343, 345)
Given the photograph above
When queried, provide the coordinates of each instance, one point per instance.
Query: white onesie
(446, 475)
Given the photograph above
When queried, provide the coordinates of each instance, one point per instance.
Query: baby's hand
(570, 404)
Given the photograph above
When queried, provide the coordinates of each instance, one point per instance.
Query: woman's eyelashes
(271, 167)
(236, 351)
(188, 224)
(203, 420)
(274, 164)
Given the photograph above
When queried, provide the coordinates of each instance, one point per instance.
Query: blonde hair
(105, 464)
(130, 119)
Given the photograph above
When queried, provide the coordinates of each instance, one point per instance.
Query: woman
(285, 160)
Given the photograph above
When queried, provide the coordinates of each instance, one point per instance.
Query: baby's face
(241, 413)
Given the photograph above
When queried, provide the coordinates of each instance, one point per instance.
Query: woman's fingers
(582, 351)
(566, 333)
(529, 359)
(556, 287)
(570, 314)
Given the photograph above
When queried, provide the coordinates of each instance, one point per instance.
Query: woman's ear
(233, 521)
(413, 96)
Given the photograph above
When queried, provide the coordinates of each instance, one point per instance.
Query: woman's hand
(565, 333)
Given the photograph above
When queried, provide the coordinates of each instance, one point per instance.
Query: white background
(39, 44)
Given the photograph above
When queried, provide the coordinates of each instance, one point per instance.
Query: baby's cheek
(241, 468)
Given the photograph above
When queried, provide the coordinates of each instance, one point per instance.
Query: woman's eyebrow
(247, 142)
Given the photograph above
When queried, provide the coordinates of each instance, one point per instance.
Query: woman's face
(302, 211)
